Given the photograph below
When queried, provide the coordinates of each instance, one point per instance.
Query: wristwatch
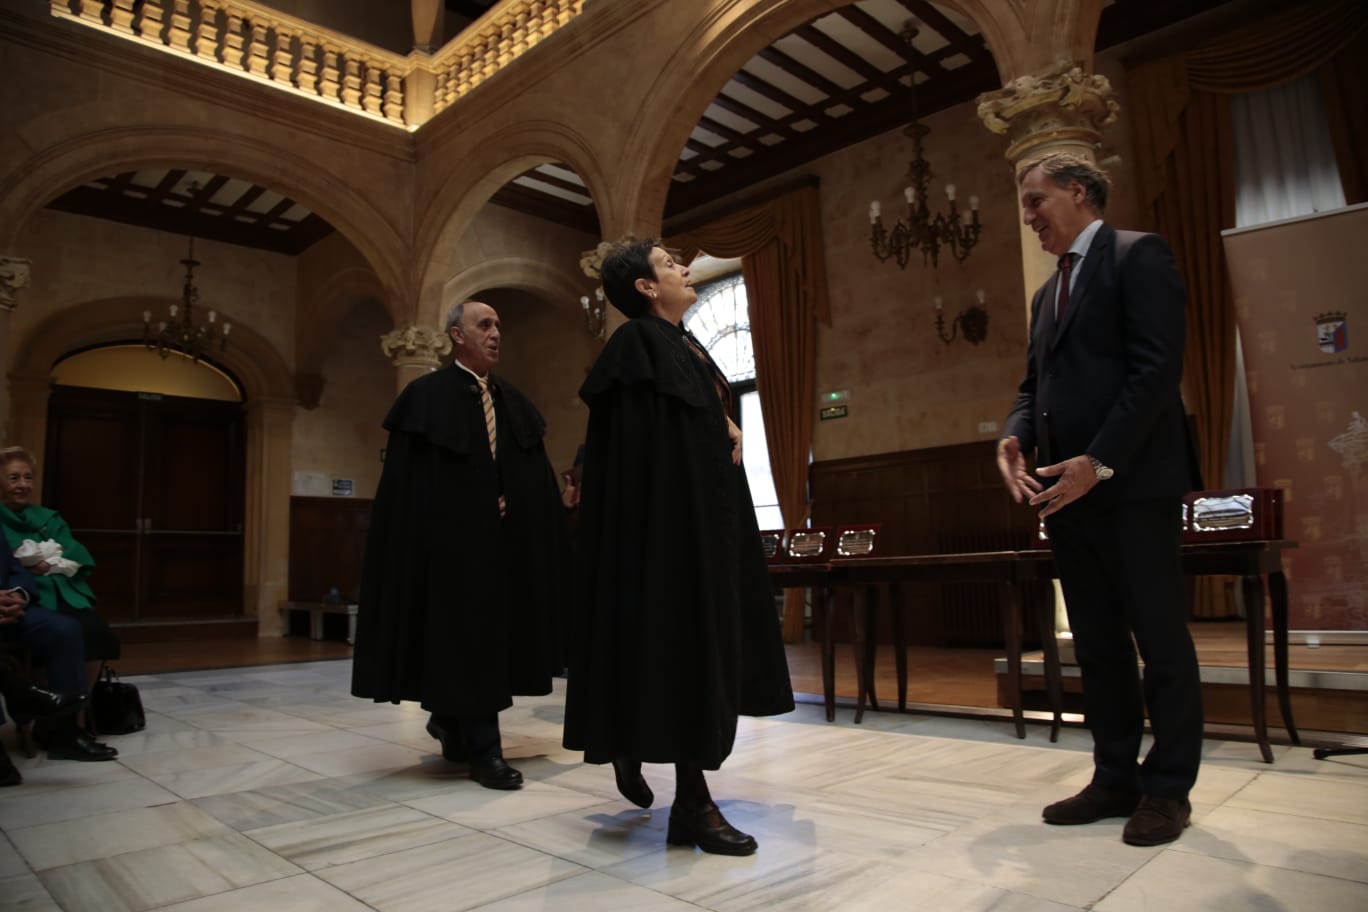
(1103, 472)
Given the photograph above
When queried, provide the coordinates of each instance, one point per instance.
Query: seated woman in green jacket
(40, 538)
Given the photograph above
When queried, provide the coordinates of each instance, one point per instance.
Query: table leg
(1049, 646)
(871, 642)
(1011, 620)
(895, 605)
(1254, 633)
(822, 610)
(315, 623)
(860, 612)
(1277, 596)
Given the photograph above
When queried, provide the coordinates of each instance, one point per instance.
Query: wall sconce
(595, 314)
(972, 320)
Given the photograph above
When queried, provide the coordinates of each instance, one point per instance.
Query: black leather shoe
(82, 747)
(631, 783)
(1092, 804)
(9, 775)
(452, 747)
(494, 773)
(36, 703)
(1157, 821)
(708, 830)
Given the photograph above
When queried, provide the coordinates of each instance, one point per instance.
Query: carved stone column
(1059, 110)
(415, 350)
(14, 275)
(266, 545)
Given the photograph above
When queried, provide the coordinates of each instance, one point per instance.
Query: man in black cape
(676, 631)
(465, 557)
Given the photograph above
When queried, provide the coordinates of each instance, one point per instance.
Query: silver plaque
(855, 542)
(806, 543)
(1219, 514)
(770, 542)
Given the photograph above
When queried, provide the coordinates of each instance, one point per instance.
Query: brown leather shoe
(1157, 821)
(1092, 804)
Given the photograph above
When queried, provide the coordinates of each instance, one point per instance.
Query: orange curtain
(784, 265)
(1185, 166)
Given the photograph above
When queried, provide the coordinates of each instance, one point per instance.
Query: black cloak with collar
(675, 630)
(459, 609)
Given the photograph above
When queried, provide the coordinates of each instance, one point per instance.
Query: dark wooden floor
(962, 677)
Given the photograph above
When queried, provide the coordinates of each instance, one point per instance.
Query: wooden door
(153, 486)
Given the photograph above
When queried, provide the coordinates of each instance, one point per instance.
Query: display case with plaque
(856, 541)
(806, 545)
(772, 543)
(1234, 514)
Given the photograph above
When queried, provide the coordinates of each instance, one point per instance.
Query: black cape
(675, 630)
(459, 609)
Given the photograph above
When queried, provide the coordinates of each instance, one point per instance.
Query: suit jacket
(1105, 380)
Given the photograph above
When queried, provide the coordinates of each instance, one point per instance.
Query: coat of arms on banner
(1332, 331)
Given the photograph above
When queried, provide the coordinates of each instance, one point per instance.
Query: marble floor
(270, 787)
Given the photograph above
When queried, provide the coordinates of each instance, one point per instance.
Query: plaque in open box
(772, 543)
(1234, 514)
(809, 544)
(856, 541)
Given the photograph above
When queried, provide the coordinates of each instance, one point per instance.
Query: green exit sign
(834, 411)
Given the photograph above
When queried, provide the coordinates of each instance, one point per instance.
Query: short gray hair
(455, 317)
(1064, 168)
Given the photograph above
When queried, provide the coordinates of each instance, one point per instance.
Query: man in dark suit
(1100, 407)
(465, 555)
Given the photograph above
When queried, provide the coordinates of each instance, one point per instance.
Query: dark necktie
(1065, 268)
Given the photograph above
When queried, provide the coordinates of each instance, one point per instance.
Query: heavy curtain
(1185, 167)
(784, 266)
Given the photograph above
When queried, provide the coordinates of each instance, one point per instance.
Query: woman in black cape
(676, 631)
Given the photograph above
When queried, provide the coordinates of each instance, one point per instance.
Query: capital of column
(415, 346)
(591, 261)
(14, 275)
(1060, 108)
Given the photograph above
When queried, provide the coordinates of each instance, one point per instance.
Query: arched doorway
(145, 458)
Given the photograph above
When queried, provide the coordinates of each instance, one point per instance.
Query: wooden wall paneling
(937, 500)
(327, 546)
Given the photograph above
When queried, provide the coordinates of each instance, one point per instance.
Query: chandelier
(923, 231)
(179, 333)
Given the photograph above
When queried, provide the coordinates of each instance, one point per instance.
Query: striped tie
(488, 402)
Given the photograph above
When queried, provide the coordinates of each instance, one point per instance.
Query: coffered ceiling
(835, 81)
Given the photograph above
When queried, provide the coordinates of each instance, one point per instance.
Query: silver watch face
(1103, 473)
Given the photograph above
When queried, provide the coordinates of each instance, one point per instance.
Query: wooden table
(1013, 571)
(816, 575)
(1254, 561)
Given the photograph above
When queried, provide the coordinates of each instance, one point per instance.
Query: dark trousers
(479, 734)
(57, 645)
(1123, 584)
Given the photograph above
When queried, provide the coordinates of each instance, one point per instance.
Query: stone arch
(258, 366)
(720, 44)
(49, 172)
(528, 275)
(268, 387)
(492, 162)
(326, 311)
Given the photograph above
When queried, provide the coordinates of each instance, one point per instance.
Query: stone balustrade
(255, 41)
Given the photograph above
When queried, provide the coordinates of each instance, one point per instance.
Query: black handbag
(115, 707)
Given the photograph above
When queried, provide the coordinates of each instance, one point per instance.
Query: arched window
(720, 319)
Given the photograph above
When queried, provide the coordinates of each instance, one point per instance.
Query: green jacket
(40, 524)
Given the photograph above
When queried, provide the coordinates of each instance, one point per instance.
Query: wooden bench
(316, 611)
